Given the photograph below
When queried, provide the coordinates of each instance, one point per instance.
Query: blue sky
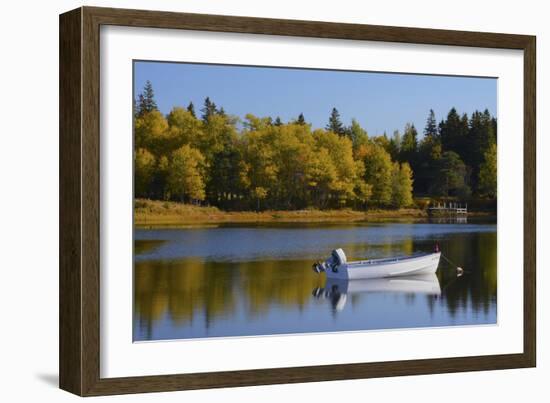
(379, 101)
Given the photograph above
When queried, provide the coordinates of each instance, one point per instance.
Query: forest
(211, 158)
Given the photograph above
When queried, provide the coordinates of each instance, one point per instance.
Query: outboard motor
(337, 258)
(318, 267)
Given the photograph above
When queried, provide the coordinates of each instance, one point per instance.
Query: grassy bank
(159, 213)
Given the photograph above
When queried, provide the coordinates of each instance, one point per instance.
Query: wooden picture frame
(79, 347)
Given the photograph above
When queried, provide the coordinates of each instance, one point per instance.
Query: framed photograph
(249, 201)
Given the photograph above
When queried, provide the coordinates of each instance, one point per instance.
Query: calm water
(237, 280)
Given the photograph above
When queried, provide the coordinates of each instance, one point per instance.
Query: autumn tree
(185, 176)
(357, 134)
(341, 155)
(322, 178)
(259, 170)
(488, 172)
(261, 163)
(184, 128)
(151, 130)
(402, 185)
(144, 170)
(378, 173)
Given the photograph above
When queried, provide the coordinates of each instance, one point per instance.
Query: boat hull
(381, 268)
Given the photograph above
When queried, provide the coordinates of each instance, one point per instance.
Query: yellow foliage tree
(185, 174)
(402, 185)
(144, 169)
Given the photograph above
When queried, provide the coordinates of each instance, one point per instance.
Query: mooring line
(459, 269)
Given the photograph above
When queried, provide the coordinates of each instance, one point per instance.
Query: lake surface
(241, 280)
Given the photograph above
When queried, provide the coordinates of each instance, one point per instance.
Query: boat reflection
(337, 291)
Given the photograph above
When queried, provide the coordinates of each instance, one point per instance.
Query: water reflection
(186, 289)
(337, 291)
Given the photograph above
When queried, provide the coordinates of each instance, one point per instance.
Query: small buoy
(459, 271)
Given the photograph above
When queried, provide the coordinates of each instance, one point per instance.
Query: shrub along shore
(158, 213)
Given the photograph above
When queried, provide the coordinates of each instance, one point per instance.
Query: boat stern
(335, 266)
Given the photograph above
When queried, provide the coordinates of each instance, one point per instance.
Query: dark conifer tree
(278, 121)
(191, 109)
(454, 133)
(394, 145)
(429, 151)
(209, 109)
(301, 120)
(409, 143)
(481, 136)
(335, 124)
(462, 146)
(431, 125)
(146, 100)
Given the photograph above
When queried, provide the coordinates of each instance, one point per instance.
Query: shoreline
(149, 214)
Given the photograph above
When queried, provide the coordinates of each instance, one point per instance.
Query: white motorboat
(337, 266)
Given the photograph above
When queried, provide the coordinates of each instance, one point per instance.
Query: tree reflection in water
(182, 291)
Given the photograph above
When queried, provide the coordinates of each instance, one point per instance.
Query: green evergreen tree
(431, 126)
(454, 133)
(463, 143)
(146, 100)
(209, 109)
(278, 121)
(191, 109)
(395, 145)
(409, 144)
(451, 179)
(335, 125)
(429, 151)
(480, 138)
(301, 120)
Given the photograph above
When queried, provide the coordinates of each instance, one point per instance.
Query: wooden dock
(448, 209)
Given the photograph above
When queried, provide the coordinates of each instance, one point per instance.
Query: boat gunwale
(391, 260)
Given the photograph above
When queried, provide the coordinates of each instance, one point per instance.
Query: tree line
(264, 163)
